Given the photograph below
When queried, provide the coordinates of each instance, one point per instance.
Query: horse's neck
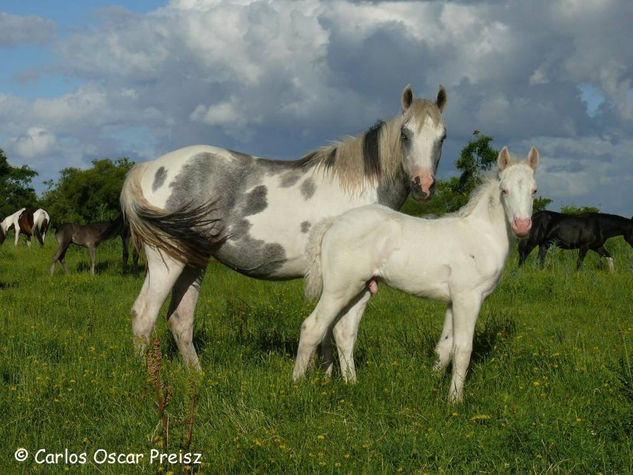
(488, 214)
(614, 226)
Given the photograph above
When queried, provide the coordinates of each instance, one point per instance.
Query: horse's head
(422, 134)
(517, 188)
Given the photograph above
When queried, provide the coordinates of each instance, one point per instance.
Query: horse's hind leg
(345, 333)
(93, 258)
(60, 255)
(162, 273)
(604, 253)
(181, 312)
(315, 327)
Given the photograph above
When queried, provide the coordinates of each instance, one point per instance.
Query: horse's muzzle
(422, 188)
(521, 227)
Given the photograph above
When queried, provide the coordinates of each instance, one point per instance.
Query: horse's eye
(404, 136)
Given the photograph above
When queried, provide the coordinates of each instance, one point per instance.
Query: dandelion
(320, 437)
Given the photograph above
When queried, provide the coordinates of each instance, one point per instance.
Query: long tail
(313, 275)
(188, 234)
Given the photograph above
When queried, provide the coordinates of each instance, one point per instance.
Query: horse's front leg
(582, 252)
(17, 235)
(93, 258)
(465, 311)
(444, 347)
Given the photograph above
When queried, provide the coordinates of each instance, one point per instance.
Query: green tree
(15, 187)
(84, 196)
(540, 203)
(571, 209)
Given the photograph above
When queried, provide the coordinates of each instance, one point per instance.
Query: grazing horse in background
(587, 231)
(254, 214)
(29, 221)
(457, 259)
(90, 236)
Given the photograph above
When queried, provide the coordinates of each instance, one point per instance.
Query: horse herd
(331, 217)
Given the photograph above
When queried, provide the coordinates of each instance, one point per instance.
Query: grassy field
(550, 387)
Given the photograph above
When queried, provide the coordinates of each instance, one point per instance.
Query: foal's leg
(465, 311)
(162, 273)
(181, 312)
(93, 257)
(315, 327)
(345, 333)
(59, 255)
(604, 253)
(444, 347)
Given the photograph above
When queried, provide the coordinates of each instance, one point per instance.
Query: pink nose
(521, 226)
(425, 182)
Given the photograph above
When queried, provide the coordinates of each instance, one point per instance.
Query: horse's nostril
(417, 180)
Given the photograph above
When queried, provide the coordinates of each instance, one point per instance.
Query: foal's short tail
(188, 234)
(313, 276)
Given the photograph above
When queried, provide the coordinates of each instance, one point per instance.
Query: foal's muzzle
(521, 227)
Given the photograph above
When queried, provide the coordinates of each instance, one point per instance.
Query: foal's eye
(505, 191)
(534, 191)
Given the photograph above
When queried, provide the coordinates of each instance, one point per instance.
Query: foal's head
(518, 187)
(422, 134)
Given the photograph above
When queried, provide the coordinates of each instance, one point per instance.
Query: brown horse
(90, 236)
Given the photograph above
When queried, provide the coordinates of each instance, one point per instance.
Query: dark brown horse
(585, 232)
(90, 236)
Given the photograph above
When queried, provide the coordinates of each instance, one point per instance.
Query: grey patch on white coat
(305, 226)
(308, 188)
(159, 178)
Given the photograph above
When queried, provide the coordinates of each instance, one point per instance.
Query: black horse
(90, 236)
(585, 232)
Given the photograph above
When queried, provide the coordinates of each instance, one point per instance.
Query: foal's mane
(477, 195)
(374, 156)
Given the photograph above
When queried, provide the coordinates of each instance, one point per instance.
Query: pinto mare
(30, 222)
(254, 214)
(90, 236)
(585, 232)
(457, 259)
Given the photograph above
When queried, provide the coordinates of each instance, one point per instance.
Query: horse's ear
(533, 158)
(503, 160)
(440, 101)
(407, 97)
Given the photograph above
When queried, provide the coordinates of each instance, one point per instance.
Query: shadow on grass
(8, 285)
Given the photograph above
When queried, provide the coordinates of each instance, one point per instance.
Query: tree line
(84, 196)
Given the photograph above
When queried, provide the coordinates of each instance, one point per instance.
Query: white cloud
(280, 78)
(35, 142)
(17, 30)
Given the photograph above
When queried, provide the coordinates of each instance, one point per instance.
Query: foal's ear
(440, 101)
(533, 158)
(407, 97)
(503, 160)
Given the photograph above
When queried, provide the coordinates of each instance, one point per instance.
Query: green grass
(550, 386)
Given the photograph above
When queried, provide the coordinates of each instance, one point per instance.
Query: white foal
(457, 259)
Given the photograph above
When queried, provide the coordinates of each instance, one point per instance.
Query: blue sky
(109, 78)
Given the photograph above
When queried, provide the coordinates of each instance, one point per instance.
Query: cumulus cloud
(17, 30)
(35, 142)
(280, 78)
